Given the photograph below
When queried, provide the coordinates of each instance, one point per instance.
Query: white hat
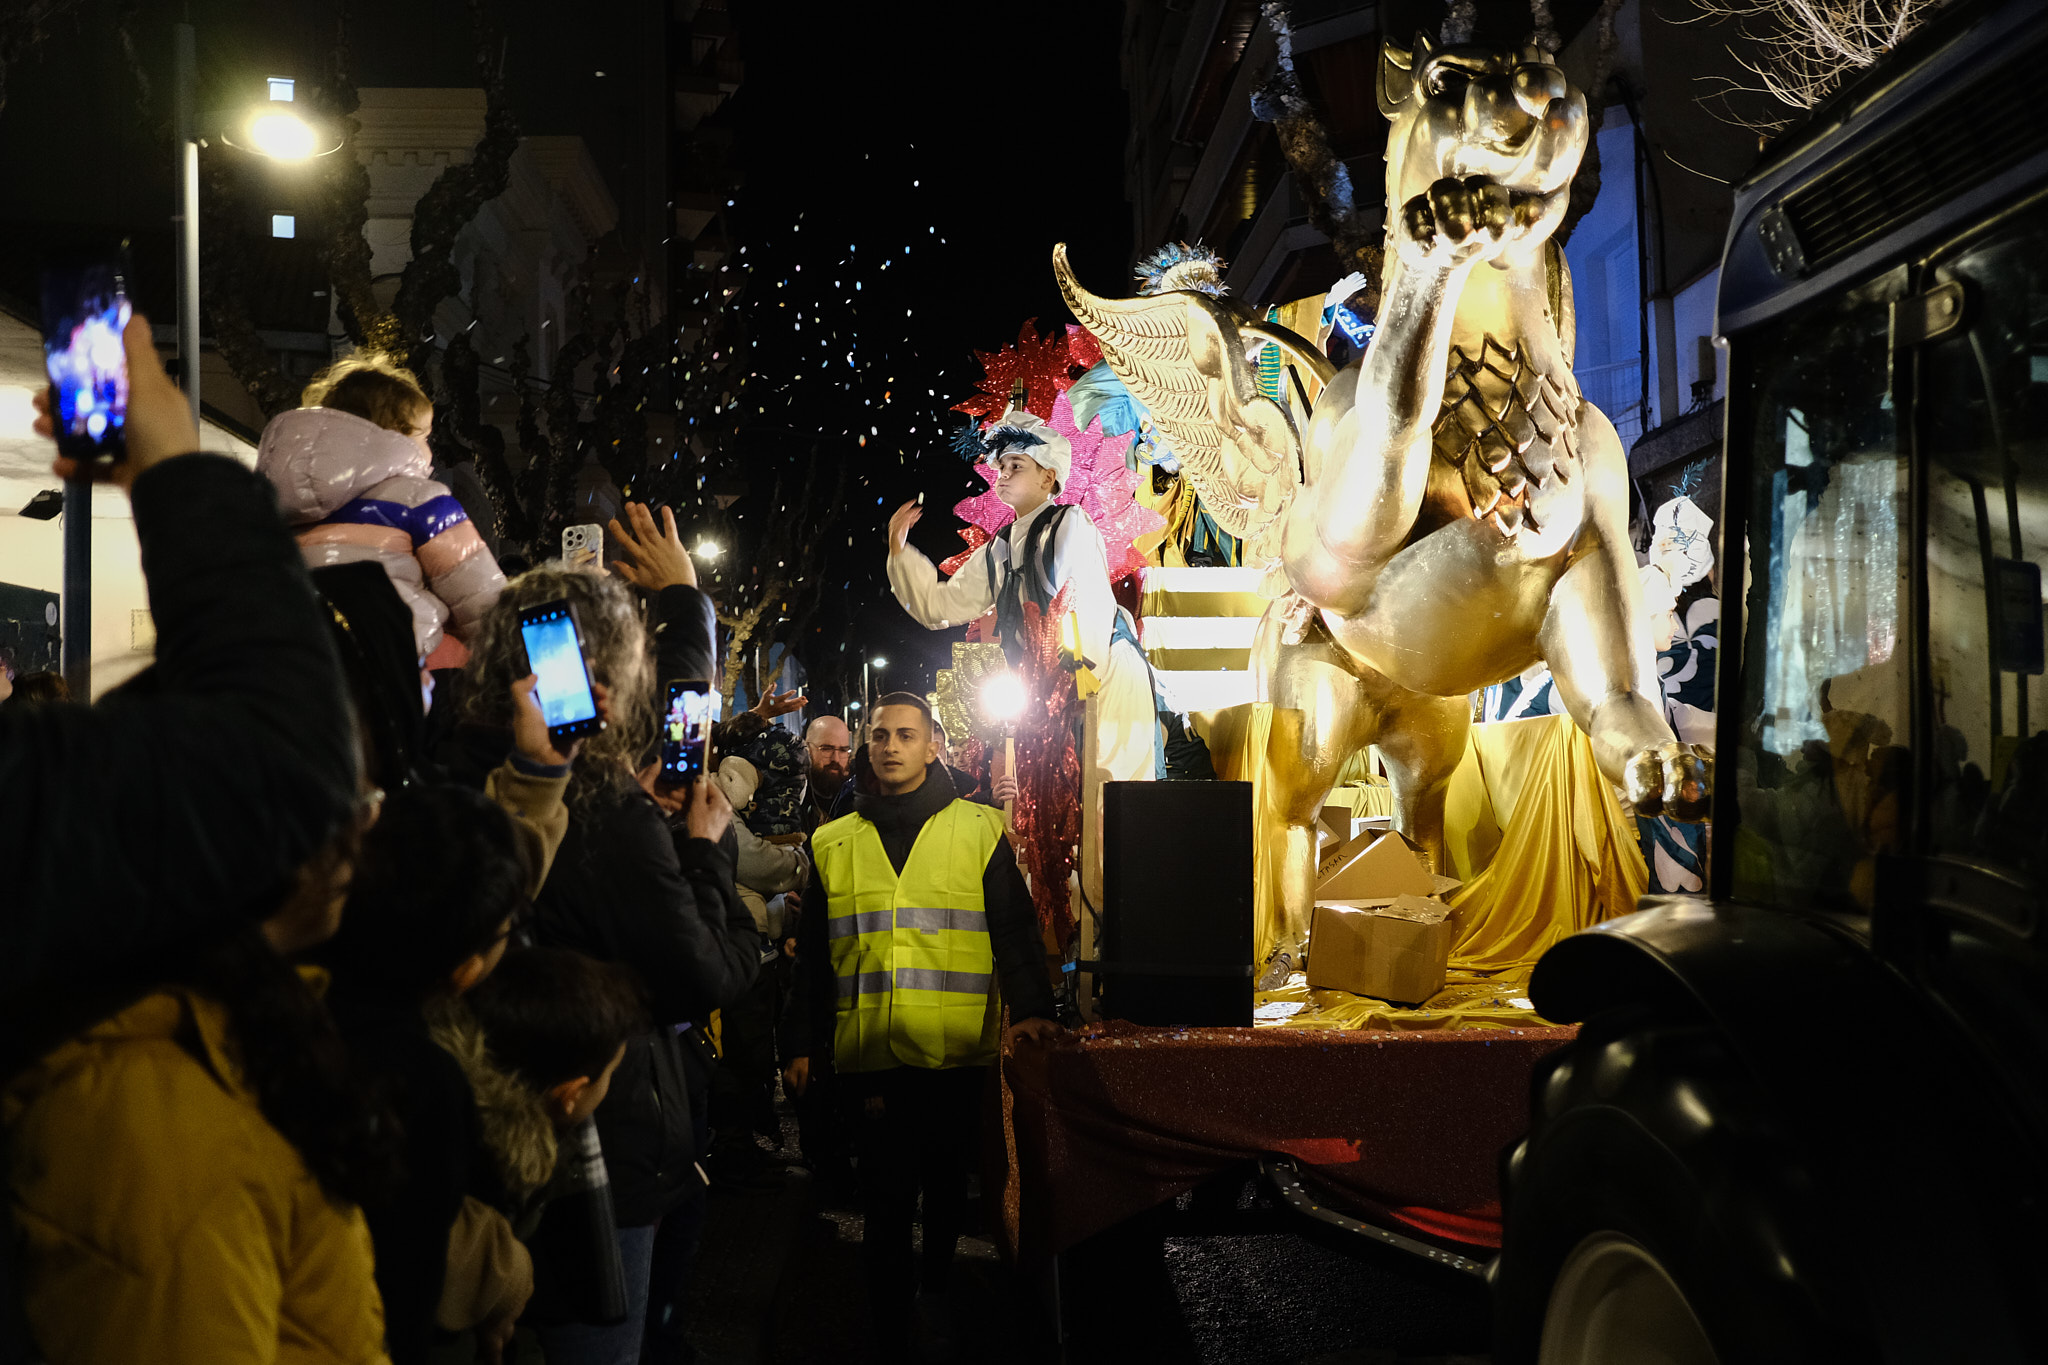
(739, 780)
(1027, 433)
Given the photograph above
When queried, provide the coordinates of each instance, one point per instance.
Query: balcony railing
(1616, 390)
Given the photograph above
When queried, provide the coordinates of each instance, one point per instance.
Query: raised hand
(773, 703)
(159, 421)
(657, 558)
(899, 526)
(530, 737)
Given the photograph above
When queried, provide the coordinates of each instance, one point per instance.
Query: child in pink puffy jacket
(351, 473)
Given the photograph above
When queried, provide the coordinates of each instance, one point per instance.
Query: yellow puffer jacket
(164, 1219)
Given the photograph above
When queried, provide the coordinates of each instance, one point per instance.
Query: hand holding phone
(159, 422)
(689, 708)
(85, 322)
(582, 546)
(530, 737)
(554, 654)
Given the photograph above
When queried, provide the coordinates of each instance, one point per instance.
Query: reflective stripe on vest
(911, 952)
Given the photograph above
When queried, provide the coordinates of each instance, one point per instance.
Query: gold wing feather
(1182, 354)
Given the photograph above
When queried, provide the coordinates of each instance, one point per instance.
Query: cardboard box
(1375, 865)
(1394, 949)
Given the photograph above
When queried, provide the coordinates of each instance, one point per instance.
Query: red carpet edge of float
(1400, 1129)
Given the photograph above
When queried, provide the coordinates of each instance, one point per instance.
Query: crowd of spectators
(348, 1016)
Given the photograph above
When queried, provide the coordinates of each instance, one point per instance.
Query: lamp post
(866, 691)
(272, 130)
(186, 85)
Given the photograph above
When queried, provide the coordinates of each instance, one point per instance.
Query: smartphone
(582, 546)
(688, 710)
(85, 310)
(554, 651)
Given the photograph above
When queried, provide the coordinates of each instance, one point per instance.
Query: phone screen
(85, 310)
(555, 655)
(688, 714)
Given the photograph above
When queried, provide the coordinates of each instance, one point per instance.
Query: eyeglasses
(830, 749)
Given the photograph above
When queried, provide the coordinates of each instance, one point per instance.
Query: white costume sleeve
(936, 605)
(1080, 560)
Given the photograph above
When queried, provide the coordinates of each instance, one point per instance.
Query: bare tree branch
(1805, 48)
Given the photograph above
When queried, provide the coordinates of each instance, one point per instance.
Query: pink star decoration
(1099, 485)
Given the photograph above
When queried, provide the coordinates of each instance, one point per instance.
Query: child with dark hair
(437, 890)
(559, 1021)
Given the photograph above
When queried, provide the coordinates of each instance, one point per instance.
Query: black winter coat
(182, 803)
(626, 889)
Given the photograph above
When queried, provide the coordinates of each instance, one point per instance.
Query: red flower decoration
(1045, 364)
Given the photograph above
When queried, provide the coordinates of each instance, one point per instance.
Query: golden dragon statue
(1455, 511)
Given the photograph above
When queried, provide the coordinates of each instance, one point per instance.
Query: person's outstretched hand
(657, 558)
(899, 526)
(159, 423)
(773, 703)
(530, 737)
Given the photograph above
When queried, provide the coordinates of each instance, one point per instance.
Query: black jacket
(443, 1159)
(1012, 920)
(626, 889)
(182, 803)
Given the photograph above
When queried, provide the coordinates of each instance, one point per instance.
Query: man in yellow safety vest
(915, 915)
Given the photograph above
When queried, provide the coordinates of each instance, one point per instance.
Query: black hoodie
(1012, 919)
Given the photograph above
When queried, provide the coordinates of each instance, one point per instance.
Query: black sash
(1029, 580)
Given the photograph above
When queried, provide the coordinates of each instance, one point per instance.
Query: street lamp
(878, 664)
(273, 129)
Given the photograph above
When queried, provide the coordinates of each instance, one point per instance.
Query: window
(1820, 757)
(1985, 418)
(284, 225)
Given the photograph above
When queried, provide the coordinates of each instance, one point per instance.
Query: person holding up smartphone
(628, 888)
(150, 833)
(190, 797)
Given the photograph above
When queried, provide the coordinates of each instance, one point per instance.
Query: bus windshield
(1820, 758)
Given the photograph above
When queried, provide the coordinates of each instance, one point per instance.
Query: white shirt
(1079, 562)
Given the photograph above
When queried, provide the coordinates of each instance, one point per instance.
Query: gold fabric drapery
(1536, 835)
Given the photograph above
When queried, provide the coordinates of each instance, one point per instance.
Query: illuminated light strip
(1200, 632)
(1208, 691)
(1203, 580)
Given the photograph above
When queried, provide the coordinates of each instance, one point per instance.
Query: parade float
(1403, 601)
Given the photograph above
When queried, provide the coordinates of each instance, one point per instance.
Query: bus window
(1984, 397)
(1820, 758)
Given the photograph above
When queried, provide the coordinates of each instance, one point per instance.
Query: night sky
(907, 171)
(907, 177)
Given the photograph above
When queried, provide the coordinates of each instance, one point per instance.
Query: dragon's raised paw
(1673, 778)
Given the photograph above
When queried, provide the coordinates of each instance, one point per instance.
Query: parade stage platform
(1403, 1130)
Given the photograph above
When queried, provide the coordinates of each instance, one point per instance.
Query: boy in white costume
(1062, 549)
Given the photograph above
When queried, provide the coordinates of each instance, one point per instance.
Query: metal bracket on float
(1288, 1182)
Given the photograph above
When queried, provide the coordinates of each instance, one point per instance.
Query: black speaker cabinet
(1176, 941)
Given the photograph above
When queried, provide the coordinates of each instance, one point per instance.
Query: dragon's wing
(1182, 355)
